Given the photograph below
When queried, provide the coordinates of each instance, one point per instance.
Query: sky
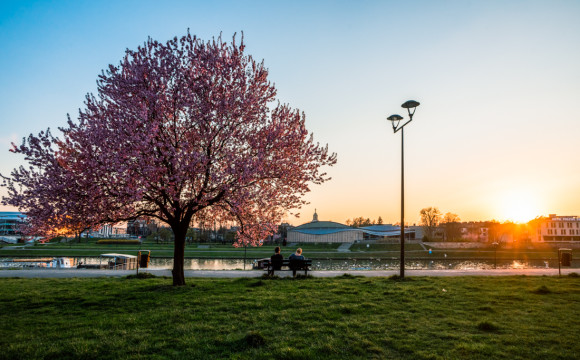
(497, 134)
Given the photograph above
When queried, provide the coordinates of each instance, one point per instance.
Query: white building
(333, 232)
(324, 232)
(10, 223)
(558, 228)
(111, 230)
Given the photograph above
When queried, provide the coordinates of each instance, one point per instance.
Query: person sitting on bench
(277, 259)
(294, 259)
(296, 256)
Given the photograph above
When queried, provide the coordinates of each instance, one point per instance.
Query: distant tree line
(362, 222)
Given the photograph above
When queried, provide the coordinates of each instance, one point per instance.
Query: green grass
(314, 318)
(166, 250)
(89, 247)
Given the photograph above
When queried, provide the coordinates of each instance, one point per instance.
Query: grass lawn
(313, 251)
(166, 250)
(313, 318)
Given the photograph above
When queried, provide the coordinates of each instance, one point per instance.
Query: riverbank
(360, 251)
(89, 273)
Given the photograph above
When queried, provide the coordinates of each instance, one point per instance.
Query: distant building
(111, 230)
(141, 227)
(10, 223)
(475, 231)
(332, 232)
(557, 229)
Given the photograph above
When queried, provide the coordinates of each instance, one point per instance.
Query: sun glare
(519, 207)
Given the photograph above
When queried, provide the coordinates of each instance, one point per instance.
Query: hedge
(119, 242)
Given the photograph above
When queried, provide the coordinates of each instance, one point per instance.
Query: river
(319, 264)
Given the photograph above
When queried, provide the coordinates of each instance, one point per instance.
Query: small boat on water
(260, 264)
(114, 261)
(54, 263)
(63, 263)
(120, 261)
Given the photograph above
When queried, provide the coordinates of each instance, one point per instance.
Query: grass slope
(313, 318)
(314, 251)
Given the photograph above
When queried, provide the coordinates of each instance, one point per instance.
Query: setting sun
(519, 206)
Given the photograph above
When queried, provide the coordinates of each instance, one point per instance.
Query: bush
(118, 242)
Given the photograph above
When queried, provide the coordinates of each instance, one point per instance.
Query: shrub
(118, 242)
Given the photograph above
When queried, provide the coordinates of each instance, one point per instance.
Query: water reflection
(200, 264)
(334, 264)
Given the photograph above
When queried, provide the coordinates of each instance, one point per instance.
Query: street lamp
(395, 119)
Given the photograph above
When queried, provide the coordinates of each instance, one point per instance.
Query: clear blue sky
(496, 136)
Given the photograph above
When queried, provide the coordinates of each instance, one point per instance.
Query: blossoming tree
(177, 130)
(55, 200)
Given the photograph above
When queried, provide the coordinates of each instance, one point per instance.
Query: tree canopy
(178, 130)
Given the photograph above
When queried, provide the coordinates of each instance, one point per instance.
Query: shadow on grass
(397, 278)
(349, 276)
(286, 278)
(542, 290)
(144, 275)
(252, 340)
(487, 326)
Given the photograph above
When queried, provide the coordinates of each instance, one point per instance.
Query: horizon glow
(495, 136)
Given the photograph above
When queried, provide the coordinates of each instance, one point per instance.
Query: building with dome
(332, 232)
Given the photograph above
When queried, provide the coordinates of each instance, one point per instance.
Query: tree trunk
(178, 256)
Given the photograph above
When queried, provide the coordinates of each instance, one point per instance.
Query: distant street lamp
(396, 120)
(495, 246)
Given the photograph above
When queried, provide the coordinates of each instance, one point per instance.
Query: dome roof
(321, 225)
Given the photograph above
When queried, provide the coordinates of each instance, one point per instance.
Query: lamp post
(495, 246)
(395, 119)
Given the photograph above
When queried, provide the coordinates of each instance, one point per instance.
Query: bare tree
(430, 218)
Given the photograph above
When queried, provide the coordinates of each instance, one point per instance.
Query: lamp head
(410, 104)
(395, 117)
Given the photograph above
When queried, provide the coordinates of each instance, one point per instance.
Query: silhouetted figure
(295, 258)
(276, 260)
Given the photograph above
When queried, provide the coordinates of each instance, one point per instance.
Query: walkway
(88, 273)
(344, 247)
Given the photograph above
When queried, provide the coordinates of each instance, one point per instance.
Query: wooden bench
(288, 265)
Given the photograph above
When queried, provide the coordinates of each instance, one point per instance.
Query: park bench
(287, 265)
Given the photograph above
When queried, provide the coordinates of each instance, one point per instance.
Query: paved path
(88, 273)
(344, 247)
